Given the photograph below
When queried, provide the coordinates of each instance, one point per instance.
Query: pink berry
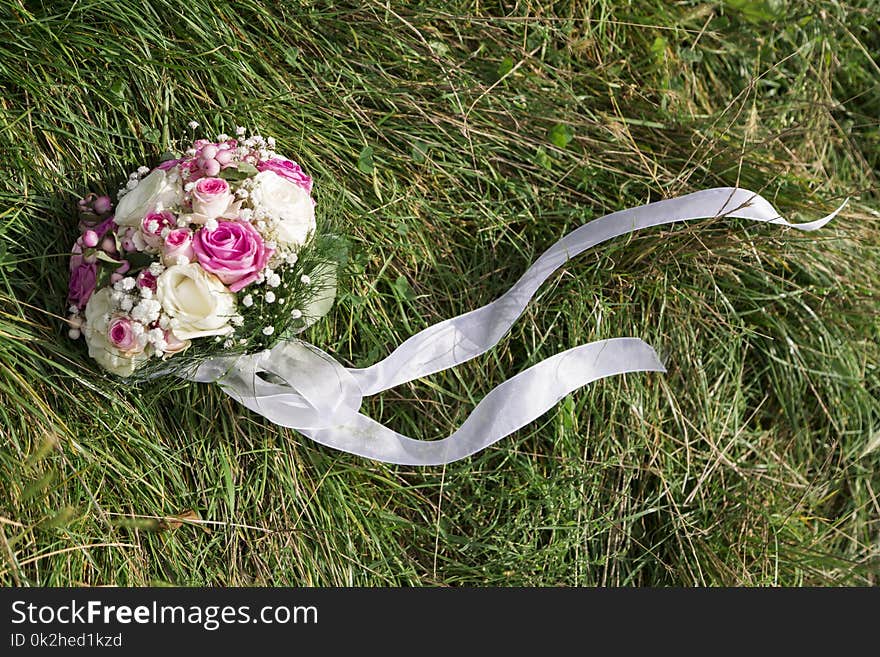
(224, 157)
(115, 278)
(102, 205)
(212, 167)
(108, 244)
(209, 151)
(128, 245)
(90, 238)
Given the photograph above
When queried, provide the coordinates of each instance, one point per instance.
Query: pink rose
(121, 335)
(82, 282)
(178, 244)
(153, 225)
(234, 252)
(287, 169)
(211, 198)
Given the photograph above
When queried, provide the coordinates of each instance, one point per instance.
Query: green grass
(494, 129)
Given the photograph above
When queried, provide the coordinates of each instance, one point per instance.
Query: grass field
(454, 143)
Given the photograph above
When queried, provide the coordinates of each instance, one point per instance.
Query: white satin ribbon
(297, 385)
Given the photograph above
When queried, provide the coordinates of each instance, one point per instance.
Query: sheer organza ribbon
(297, 385)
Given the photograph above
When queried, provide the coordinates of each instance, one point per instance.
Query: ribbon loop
(294, 384)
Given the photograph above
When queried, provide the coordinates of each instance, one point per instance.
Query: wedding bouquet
(215, 251)
(213, 261)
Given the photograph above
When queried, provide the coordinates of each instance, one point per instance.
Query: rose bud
(152, 226)
(90, 238)
(93, 209)
(102, 205)
(174, 345)
(178, 244)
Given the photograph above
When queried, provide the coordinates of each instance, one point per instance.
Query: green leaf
(439, 48)
(152, 135)
(419, 153)
(560, 135)
(103, 277)
(118, 89)
(658, 49)
(759, 11)
(241, 171)
(139, 260)
(690, 56)
(247, 168)
(6, 260)
(365, 160)
(543, 159)
(231, 174)
(103, 256)
(291, 55)
(401, 287)
(505, 66)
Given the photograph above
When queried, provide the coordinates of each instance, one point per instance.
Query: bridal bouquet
(213, 261)
(215, 251)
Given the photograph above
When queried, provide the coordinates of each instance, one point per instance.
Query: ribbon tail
(459, 339)
(508, 407)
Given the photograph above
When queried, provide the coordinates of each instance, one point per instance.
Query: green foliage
(752, 462)
(365, 160)
(560, 135)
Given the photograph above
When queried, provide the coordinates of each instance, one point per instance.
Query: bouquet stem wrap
(297, 385)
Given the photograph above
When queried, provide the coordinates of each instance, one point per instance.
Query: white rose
(287, 202)
(94, 329)
(197, 303)
(156, 189)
